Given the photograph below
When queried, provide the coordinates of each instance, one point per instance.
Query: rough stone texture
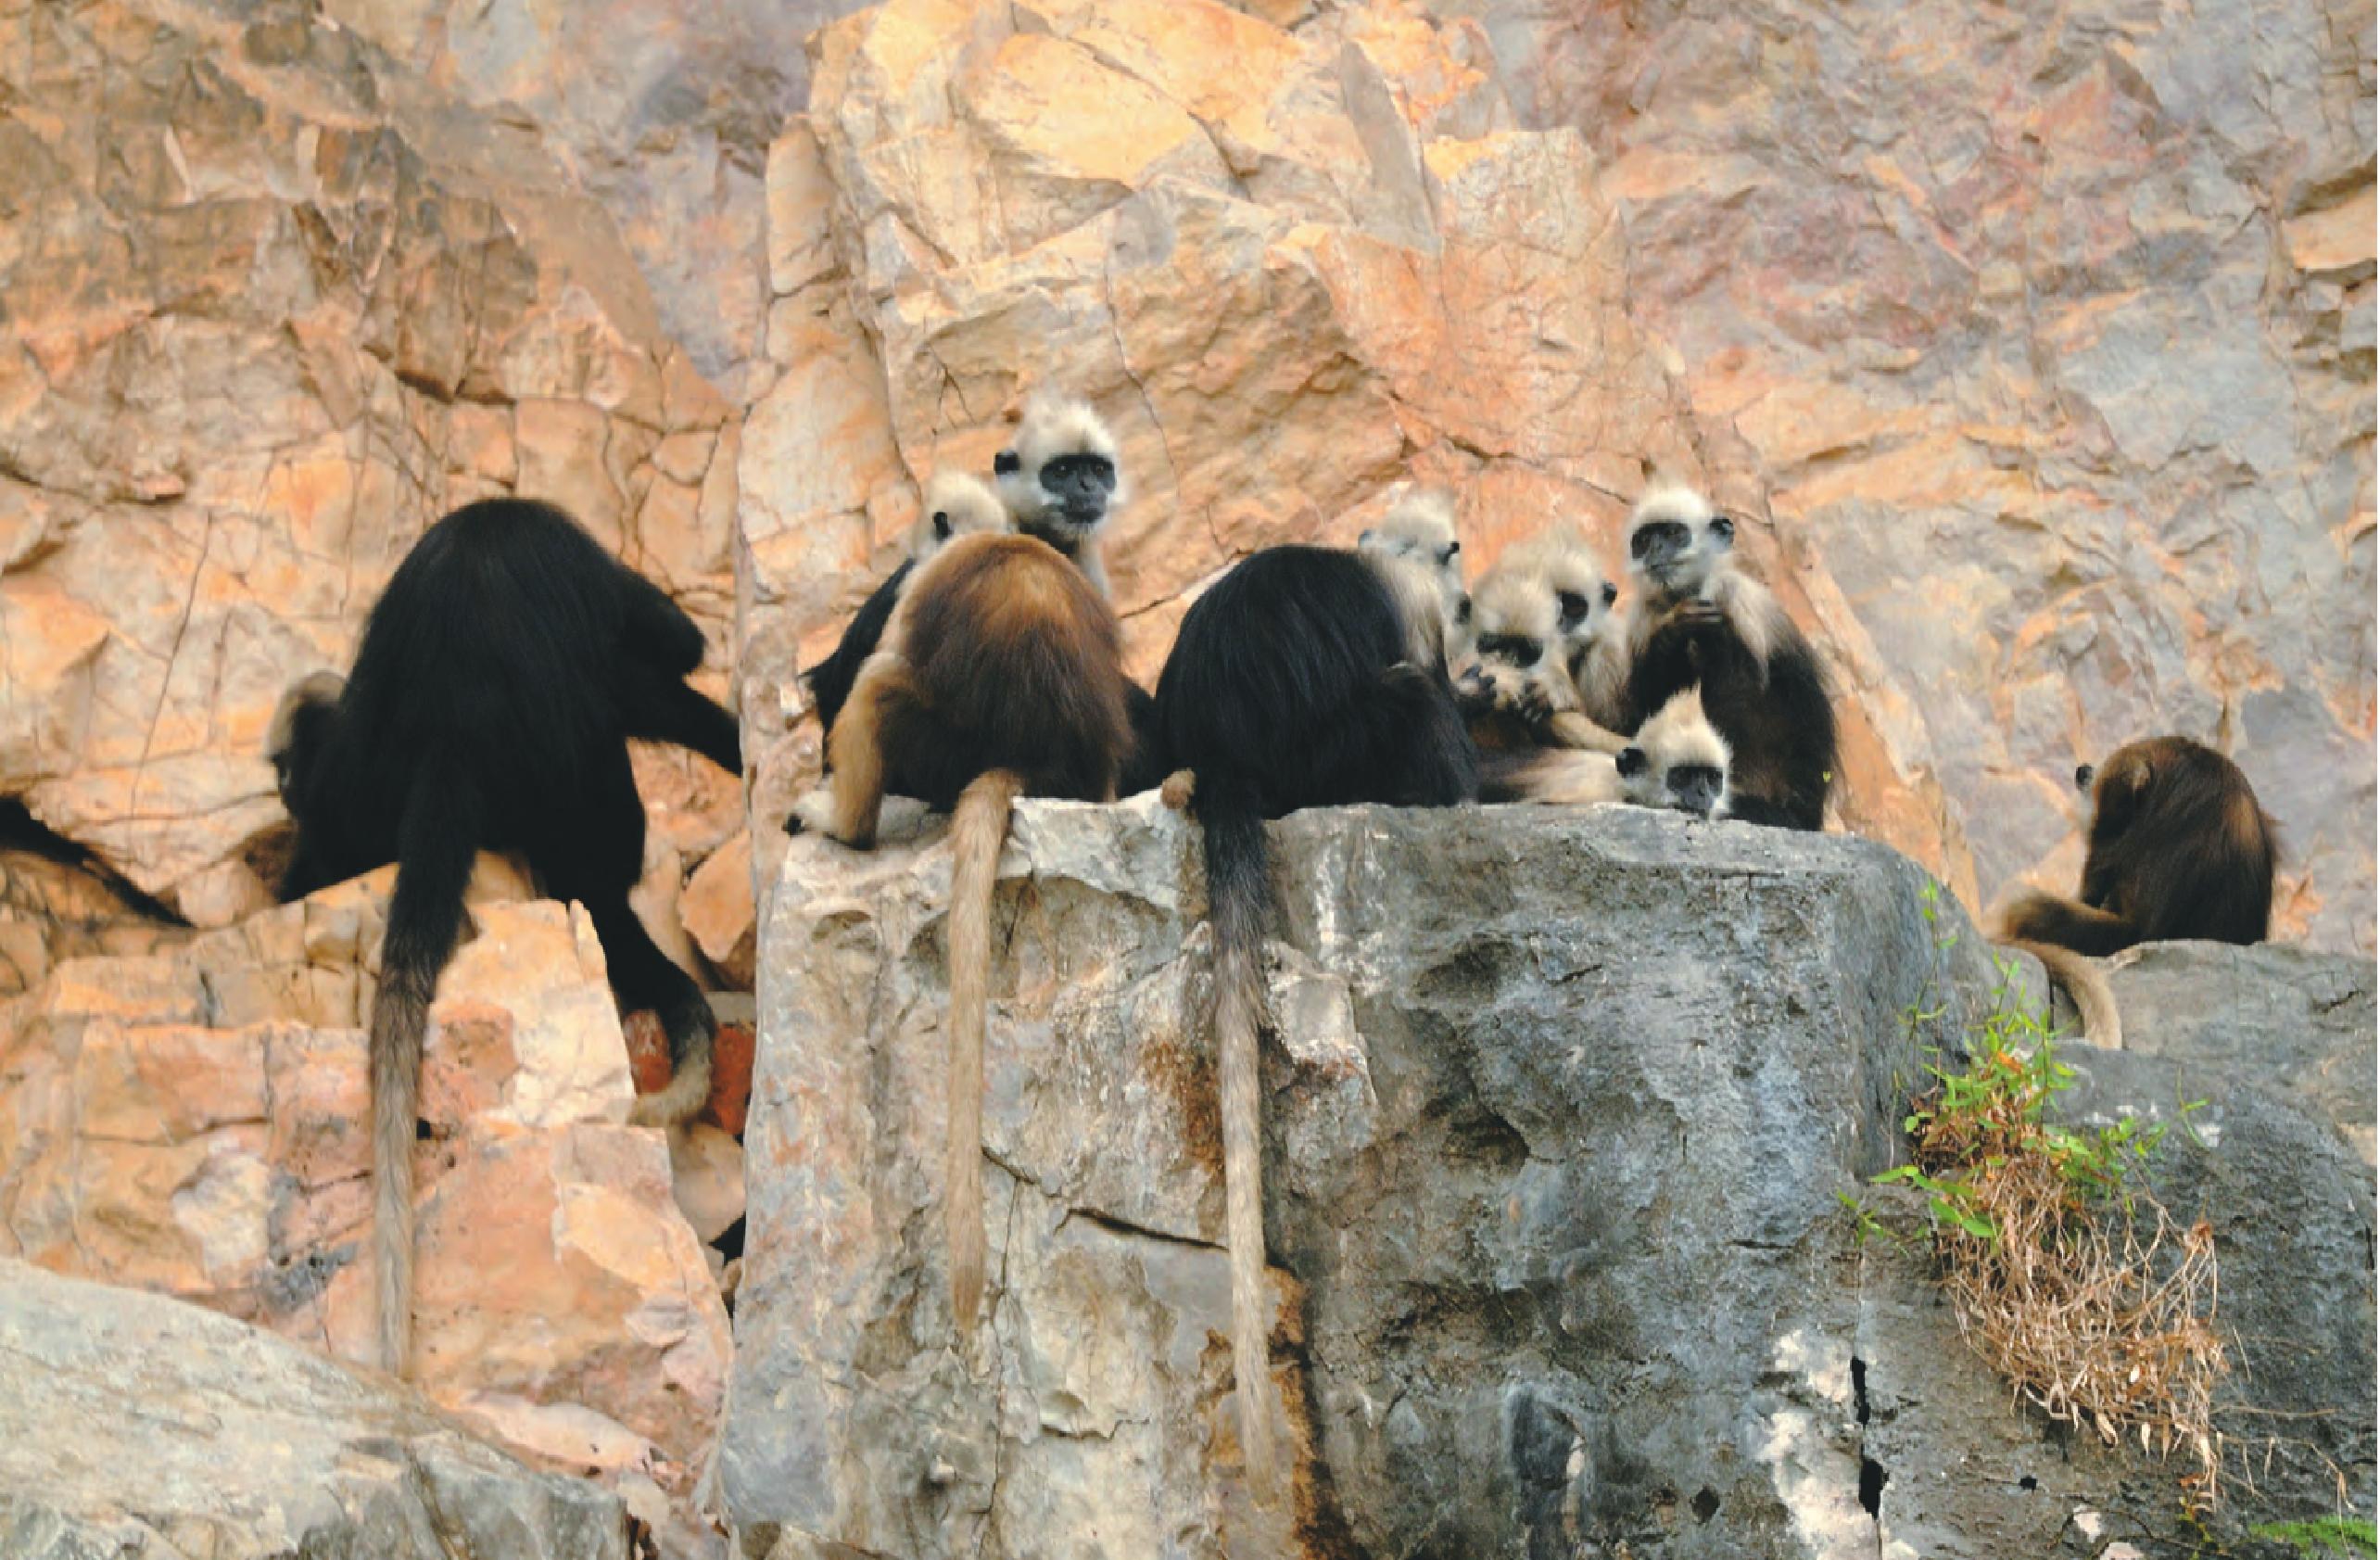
(662, 109)
(2041, 353)
(273, 304)
(133, 1425)
(1557, 1123)
(2302, 1022)
(2050, 338)
(194, 1123)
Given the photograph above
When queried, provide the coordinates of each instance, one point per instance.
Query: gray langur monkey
(1061, 480)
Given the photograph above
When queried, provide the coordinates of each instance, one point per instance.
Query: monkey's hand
(1474, 690)
(1179, 788)
(1528, 703)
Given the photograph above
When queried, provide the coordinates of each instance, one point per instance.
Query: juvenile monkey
(1000, 676)
(1518, 690)
(1677, 761)
(1291, 685)
(2178, 847)
(955, 505)
(1585, 599)
(1060, 479)
(1699, 619)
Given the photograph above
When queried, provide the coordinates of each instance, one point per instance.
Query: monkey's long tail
(979, 828)
(2103, 1025)
(435, 843)
(1239, 897)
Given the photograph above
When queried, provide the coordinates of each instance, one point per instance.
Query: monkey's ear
(1365, 538)
(1632, 762)
(941, 524)
(1007, 463)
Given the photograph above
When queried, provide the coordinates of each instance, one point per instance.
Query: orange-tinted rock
(194, 1123)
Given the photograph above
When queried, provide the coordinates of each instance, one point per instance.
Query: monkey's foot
(678, 1101)
(1179, 787)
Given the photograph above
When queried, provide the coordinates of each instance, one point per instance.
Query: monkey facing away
(500, 678)
(1418, 530)
(955, 505)
(1676, 762)
(1000, 676)
(1698, 618)
(1060, 479)
(1291, 685)
(2178, 846)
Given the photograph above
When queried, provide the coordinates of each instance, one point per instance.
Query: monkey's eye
(1462, 610)
(1006, 462)
(2083, 775)
(1573, 608)
(1631, 762)
(1723, 528)
(941, 524)
(1611, 593)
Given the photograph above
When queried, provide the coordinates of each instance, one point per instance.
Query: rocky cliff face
(1558, 1128)
(2041, 351)
(2039, 348)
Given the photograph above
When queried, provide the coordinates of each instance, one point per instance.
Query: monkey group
(511, 659)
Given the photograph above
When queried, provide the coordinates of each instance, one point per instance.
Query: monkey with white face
(1533, 619)
(1060, 479)
(1676, 762)
(1698, 620)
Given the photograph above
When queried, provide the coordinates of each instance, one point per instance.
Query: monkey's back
(1289, 680)
(2190, 854)
(1019, 665)
(497, 650)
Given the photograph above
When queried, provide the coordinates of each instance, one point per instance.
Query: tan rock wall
(2042, 354)
(194, 1123)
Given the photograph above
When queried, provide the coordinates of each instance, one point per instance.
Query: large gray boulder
(134, 1425)
(1557, 1124)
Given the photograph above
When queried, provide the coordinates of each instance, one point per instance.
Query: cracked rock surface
(132, 1424)
(1557, 1118)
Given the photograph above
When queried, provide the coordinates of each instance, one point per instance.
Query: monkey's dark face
(1519, 652)
(1070, 492)
(1699, 790)
(1678, 554)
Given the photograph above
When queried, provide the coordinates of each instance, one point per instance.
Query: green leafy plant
(2064, 1272)
(2324, 1536)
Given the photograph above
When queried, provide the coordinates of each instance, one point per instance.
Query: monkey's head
(1058, 477)
(1420, 529)
(1677, 761)
(1677, 543)
(300, 723)
(955, 505)
(1517, 637)
(1583, 598)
